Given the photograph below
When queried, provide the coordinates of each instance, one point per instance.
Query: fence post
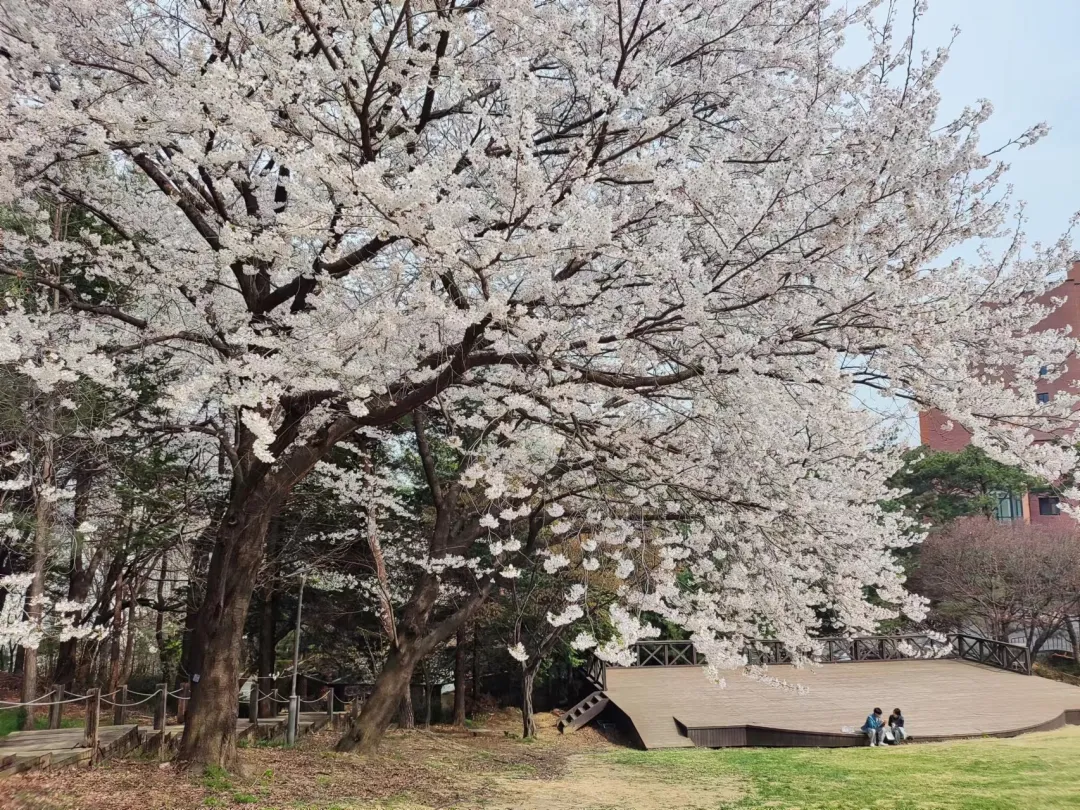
(56, 710)
(182, 701)
(330, 706)
(90, 731)
(160, 712)
(253, 702)
(120, 708)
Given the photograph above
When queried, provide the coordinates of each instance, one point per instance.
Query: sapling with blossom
(629, 259)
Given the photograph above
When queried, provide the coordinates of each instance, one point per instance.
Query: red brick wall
(933, 432)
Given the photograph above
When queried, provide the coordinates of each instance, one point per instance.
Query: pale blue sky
(1024, 56)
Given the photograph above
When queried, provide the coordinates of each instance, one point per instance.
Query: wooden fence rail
(835, 650)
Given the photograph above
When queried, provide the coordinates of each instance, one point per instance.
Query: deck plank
(939, 698)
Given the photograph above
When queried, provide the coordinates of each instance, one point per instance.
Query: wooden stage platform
(678, 707)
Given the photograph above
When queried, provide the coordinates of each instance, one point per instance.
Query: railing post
(253, 703)
(119, 707)
(159, 718)
(90, 730)
(330, 705)
(56, 710)
(182, 701)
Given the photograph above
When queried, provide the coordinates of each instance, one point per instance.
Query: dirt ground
(421, 770)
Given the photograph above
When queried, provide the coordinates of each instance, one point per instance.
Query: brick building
(933, 432)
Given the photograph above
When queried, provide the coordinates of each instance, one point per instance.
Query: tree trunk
(267, 653)
(117, 633)
(268, 627)
(193, 600)
(427, 695)
(43, 514)
(80, 577)
(1074, 638)
(414, 641)
(459, 679)
(528, 720)
(386, 699)
(129, 645)
(210, 727)
(159, 620)
(475, 665)
(406, 712)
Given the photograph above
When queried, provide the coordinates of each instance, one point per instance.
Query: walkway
(678, 707)
(50, 748)
(47, 748)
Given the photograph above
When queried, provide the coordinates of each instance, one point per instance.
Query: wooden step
(583, 712)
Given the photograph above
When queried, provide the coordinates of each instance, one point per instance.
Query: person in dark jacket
(896, 725)
(874, 727)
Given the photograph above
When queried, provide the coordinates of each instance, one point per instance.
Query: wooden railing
(665, 654)
(595, 673)
(880, 648)
(993, 653)
(915, 646)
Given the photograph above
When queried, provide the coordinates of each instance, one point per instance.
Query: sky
(1024, 56)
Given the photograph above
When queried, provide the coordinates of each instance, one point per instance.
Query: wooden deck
(674, 706)
(26, 750)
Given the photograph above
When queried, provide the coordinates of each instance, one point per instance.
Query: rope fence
(146, 699)
(35, 702)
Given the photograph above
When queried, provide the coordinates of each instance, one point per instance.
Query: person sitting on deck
(874, 728)
(896, 725)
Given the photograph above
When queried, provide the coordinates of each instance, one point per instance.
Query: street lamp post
(294, 699)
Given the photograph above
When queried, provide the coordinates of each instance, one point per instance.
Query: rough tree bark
(210, 727)
(80, 578)
(406, 713)
(117, 633)
(194, 598)
(459, 678)
(159, 620)
(268, 629)
(415, 641)
(136, 587)
(43, 515)
(528, 719)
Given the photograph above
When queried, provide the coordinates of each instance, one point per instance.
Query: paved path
(939, 699)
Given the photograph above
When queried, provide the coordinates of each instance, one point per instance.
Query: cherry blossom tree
(625, 260)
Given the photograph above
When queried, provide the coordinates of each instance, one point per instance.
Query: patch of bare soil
(421, 769)
(592, 784)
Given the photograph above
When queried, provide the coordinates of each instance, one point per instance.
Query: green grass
(11, 719)
(1037, 771)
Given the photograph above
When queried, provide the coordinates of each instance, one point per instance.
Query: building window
(1048, 505)
(1042, 398)
(1009, 507)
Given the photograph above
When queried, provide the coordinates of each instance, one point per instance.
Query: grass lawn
(582, 771)
(1037, 771)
